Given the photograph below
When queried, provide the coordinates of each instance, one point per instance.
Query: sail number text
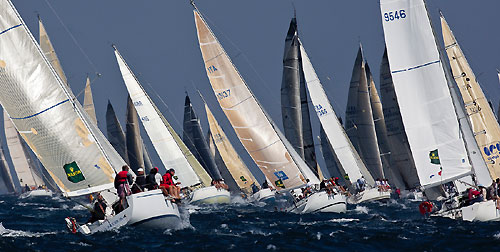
(211, 69)
(394, 15)
(320, 110)
(224, 94)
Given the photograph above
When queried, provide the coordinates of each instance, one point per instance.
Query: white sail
(25, 170)
(53, 124)
(424, 98)
(172, 155)
(484, 124)
(88, 102)
(258, 134)
(341, 145)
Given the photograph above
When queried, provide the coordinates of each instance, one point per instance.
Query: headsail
(74, 151)
(115, 133)
(88, 102)
(294, 104)
(224, 172)
(424, 98)
(332, 162)
(237, 168)
(170, 148)
(344, 150)
(484, 124)
(133, 136)
(258, 134)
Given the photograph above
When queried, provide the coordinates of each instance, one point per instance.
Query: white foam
(361, 209)
(318, 236)
(4, 232)
(271, 247)
(342, 220)
(497, 236)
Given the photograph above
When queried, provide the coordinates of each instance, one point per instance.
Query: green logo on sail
(279, 183)
(243, 179)
(73, 172)
(434, 156)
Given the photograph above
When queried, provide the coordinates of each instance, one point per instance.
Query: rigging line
(90, 84)
(72, 37)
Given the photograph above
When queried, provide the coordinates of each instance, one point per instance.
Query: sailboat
(240, 173)
(72, 149)
(441, 140)
(267, 146)
(350, 162)
(172, 151)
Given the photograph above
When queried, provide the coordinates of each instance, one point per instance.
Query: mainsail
(49, 51)
(402, 160)
(484, 124)
(224, 172)
(74, 152)
(232, 161)
(294, 104)
(5, 172)
(115, 133)
(425, 101)
(88, 102)
(195, 141)
(391, 173)
(348, 157)
(170, 148)
(135, 152)
(259, 135)
(359, 118)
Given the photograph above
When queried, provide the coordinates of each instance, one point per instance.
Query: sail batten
(279, 162)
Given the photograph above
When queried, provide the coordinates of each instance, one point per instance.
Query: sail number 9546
(224, 94)
(394, 15)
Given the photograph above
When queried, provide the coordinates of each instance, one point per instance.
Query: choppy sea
(37, 224)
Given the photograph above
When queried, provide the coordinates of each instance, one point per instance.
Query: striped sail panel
(256, 131)
(172, 152)
(482, 117)
(195, 140)
(20, 159)
(391, 173)
(88, 102)
(133, 138)
(237, 168)
(347, 155)
(53, 125)
(424, 98)
(115, 133)
(49, 51)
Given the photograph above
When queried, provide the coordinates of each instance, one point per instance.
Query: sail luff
(168, 145)
(258, 134)
(347, 155)
(482, 118)
(434, 136)
(88, 102)
(232, 161)
(49, 51)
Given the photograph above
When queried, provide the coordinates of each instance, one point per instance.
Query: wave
(342, 220)
(5, 232)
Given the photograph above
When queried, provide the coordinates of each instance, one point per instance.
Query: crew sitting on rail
(169, 187)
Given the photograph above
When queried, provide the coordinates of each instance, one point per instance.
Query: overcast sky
(158, 40)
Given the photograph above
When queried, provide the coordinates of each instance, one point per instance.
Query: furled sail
(5, 173)
(116, 136)
(133, 136)
(49, 51)
(196, 142)
(236, 167)
(74, 152)
(294, 104)
(88, 102)
(402, 160)
(170, 148)
(390, 173)
(424, 98)
(259, 135)
(484, 124)
(347, 155)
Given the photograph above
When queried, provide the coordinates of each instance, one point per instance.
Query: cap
(140, 169)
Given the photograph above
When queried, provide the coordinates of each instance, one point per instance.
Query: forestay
(50, 121)
(344, 150)
(254, 128)
(169, 147)
(424, 99)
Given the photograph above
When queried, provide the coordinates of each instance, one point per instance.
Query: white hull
(38, 192)
(210, 195)
(481, 211)
(264, 195)
(371, 194)
(321, 202)
(146, 209)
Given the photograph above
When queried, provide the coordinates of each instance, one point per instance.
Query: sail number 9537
(224, 94)
(394, 15)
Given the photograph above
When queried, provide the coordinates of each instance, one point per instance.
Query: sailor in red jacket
(122, 181)
(169, 186)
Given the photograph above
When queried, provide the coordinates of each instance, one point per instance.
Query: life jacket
(121, 177)
(167, 179)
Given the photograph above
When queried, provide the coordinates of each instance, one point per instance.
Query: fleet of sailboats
(431, 129)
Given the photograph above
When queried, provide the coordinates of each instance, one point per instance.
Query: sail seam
(13, 27)
(30, 116)
(416, 67)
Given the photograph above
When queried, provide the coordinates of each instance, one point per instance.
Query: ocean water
(37, 224)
